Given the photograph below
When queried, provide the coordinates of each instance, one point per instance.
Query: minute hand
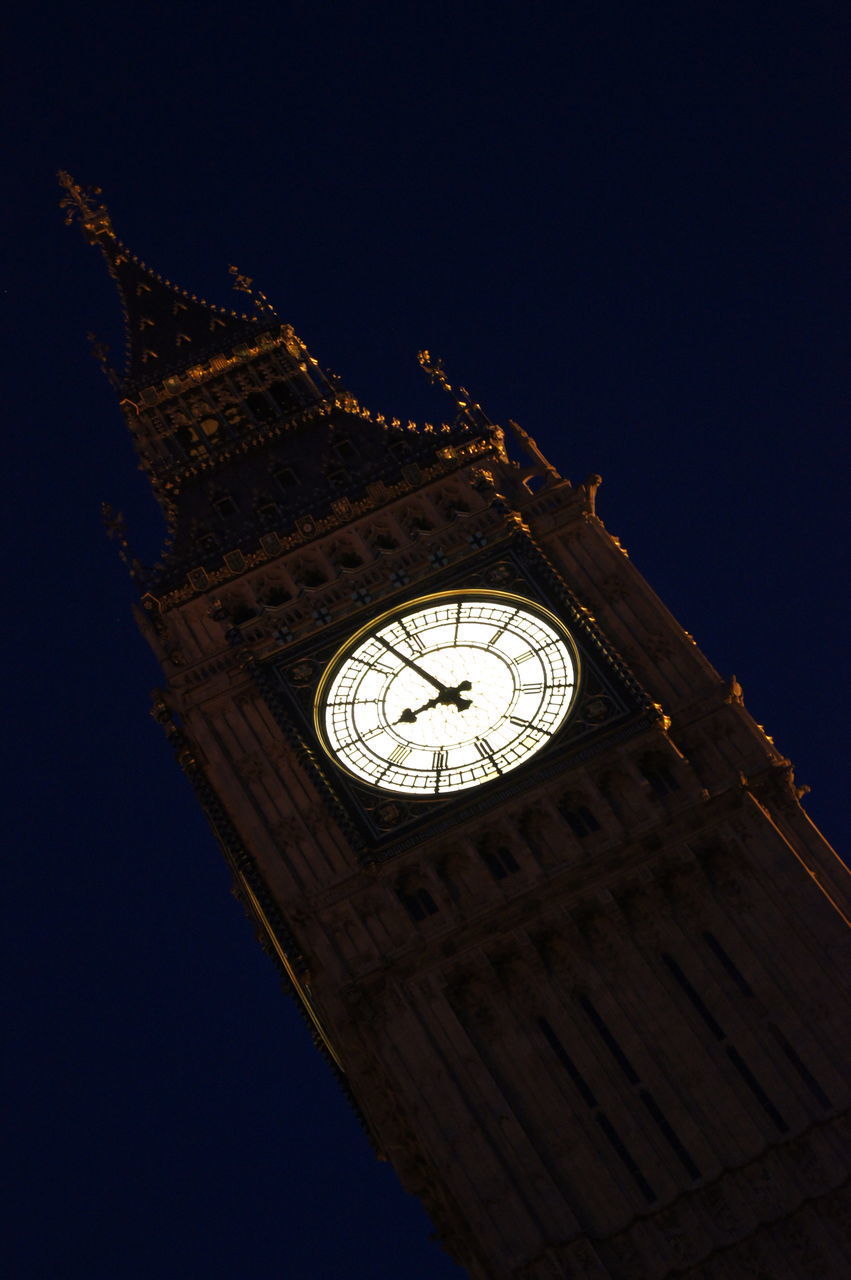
(409, 662)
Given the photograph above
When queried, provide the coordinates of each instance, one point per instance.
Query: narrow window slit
(756, 1088)
(732, 1052)
(668, 1133)
(418, 903)
(627, 1160)
(728, 964)
(615, 1140)
(655, 1112)
(803, 1071)
(567, 1062)
(693, 996)
(744, 986)
(609, 1041)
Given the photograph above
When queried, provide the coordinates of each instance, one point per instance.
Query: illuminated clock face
(447, 692)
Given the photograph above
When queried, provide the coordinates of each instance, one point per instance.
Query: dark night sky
(625, 226)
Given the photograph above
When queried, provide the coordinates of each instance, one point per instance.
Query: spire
(167, 329)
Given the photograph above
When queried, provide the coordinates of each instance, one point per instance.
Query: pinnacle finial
(245, 284)
(531, 447)
(468, 407)
(434, 368)
(84, 204)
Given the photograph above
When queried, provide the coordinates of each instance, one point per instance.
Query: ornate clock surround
(609, 706)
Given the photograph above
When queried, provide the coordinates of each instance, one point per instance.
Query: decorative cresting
(167, 329)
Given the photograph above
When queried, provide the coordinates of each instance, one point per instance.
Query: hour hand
(409, 717)
(446, 697)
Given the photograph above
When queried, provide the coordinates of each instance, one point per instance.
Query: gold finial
(434, 369)
(85, 204)
(245, 284)
(465, 402)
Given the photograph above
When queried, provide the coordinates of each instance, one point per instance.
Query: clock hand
(449, 697)
(413, 665)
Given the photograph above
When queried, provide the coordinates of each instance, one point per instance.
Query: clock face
(447, 692)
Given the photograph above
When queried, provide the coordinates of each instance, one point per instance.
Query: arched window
(499, 860)
(349, 558)
(624, 795)
(261, 406)
(285, 477)
(276, 596)
(657, 771)
(418, 902)
(578, 816)
(311, 576)
(385, 541)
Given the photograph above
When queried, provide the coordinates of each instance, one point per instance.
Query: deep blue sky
(625, 226)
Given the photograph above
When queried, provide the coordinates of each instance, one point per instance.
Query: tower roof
(166, 328)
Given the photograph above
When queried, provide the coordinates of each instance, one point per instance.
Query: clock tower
(544, 891)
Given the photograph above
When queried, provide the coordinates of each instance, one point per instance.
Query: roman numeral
(398, 754)
(438, 761)
(527, 724)
(485, 750)
(504, 627)
(524, 657)
(374, 666)
(413, 639)
(537, 687)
